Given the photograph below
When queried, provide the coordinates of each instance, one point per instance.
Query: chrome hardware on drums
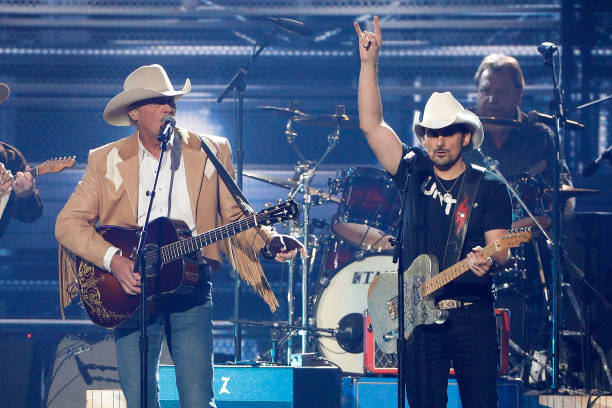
(369, 207)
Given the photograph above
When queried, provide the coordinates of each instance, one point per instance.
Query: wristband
(493, 267)
(265, 252)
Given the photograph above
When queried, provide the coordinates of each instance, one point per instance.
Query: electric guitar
(50, 166)
(169, 268)
(421, 285)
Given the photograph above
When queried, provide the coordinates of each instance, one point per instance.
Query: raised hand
(369, 43)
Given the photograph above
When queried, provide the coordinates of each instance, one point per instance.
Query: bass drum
(340, 307)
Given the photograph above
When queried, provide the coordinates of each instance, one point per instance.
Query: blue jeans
(186, 323)
(469, 339)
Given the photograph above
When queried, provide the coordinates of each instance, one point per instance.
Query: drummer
(520, 146)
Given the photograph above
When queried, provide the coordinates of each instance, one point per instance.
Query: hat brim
(116, 111)
(5, 91)
(465, 117)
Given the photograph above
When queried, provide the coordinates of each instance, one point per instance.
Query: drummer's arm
(381, 138)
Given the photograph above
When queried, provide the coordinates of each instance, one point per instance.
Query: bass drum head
(345, 297)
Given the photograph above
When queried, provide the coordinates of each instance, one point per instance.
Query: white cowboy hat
(146, 82)
(442, 110)
(5, 91)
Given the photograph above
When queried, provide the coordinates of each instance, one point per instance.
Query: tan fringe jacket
(108, 195)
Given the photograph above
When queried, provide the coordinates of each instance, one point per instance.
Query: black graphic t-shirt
(492, 210)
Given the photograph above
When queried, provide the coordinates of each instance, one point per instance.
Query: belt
(446, 304)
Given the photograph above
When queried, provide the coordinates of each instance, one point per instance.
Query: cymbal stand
(492, 166)
(574, 269)
(306, 174)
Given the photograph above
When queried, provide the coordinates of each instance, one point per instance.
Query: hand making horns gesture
(369, 43)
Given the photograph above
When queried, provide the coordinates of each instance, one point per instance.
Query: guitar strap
(242, 201)
(463, 210)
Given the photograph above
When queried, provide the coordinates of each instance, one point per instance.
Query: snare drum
(340, 306)
(369, 208)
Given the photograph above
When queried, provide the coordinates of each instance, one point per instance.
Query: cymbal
(342, 120)
(567, 191)
(504, 122)
(282, 111)
(289, 183)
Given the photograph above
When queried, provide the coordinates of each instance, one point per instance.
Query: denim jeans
(469, 339)
(186, 323)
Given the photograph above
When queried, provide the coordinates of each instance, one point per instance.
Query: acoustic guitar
(170, 264)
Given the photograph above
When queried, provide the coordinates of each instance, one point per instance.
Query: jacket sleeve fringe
(245, 261)
(67, 278)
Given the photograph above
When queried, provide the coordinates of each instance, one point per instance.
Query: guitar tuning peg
(267, 205)
(279, 201)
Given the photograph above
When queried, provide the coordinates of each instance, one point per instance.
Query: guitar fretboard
(186, 246)
(436, 282)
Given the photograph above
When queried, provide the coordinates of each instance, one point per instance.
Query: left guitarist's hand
(477, 262)
(283, 248)
(24, 183)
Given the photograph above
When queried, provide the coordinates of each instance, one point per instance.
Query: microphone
(166, 128)
(547, 49)
(594, 165)
(291, 26)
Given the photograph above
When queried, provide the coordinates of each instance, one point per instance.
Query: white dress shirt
(171, 195)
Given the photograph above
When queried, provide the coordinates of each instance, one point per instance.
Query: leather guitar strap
(242, 201)
(463, 209)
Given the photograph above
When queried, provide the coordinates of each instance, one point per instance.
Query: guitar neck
(449, 274)
(186, 246)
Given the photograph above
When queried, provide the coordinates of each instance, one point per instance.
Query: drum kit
(348, 252)
(355, 246)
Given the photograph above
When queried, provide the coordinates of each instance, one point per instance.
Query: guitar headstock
(514, 238)
(288, 210)
(55, 165)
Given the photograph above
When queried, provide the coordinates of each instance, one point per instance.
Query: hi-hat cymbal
(332, 121)
(282, 111)
(568, 191)
(289, 184)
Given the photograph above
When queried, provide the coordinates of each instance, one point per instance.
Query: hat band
(159, 100)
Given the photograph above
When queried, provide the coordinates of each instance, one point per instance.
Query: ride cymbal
(289, 183)
(331, 121)
(282, 111)
(568, 191)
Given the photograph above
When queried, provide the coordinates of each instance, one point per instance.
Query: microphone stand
(556, 219)
(140, 264)
(238, 84)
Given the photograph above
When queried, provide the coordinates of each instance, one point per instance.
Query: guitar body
(422, 283)
(382, 303)
(106, 304)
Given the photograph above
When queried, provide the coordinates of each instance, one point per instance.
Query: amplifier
(376, 361)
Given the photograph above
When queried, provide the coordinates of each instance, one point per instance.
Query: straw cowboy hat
(5, 91)
(146, 82)
(442, 110)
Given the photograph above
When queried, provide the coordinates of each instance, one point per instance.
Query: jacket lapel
(128, 169)
(195, 160)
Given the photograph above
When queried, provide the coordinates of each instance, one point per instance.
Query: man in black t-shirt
(432, 216)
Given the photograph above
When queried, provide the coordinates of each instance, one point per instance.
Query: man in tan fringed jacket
(114, 191)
